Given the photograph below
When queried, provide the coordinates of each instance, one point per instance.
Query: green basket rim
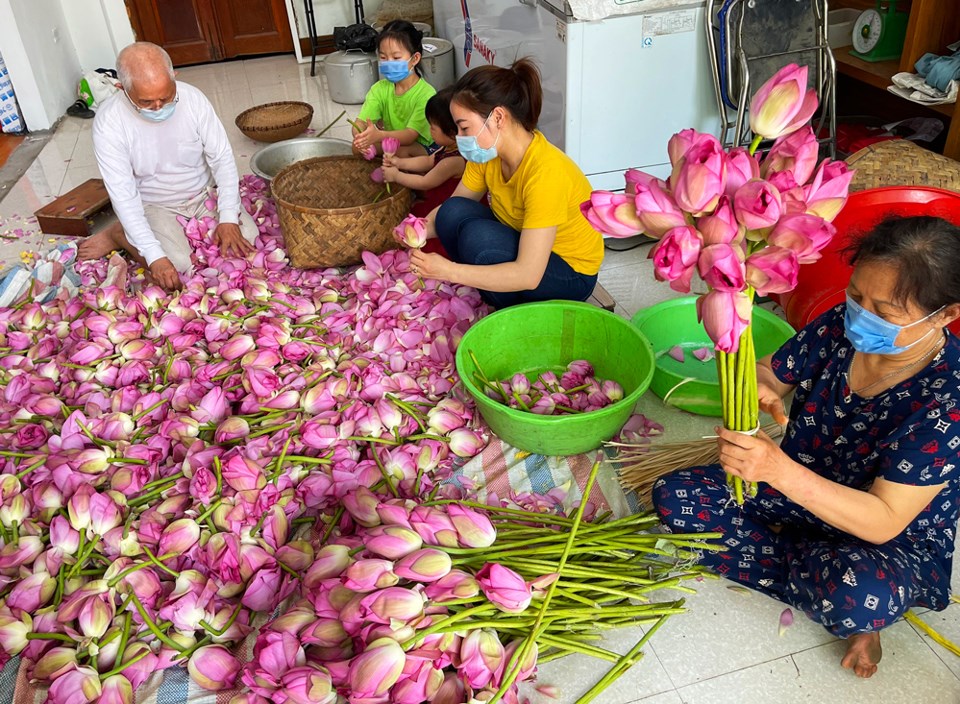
(481, 399)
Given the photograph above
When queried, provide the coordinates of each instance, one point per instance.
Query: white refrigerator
(619, 76)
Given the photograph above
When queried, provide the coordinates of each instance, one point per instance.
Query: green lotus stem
(220, 631)
(155, 560)
(283, 303)
(625, 662)
(539, 517)
(206, 514)
(217, 471)
(160, 635)
(449, 620)
(384, 473)
(755, 144)
(327, 128)
(600, 589)
(147, 411)
(308, 460)
(409, 410)
(83, 555)
(125, 635)
(573, 596)
(575, 647)
(355, 125)
(293, 573)
(7, 453)
(123, 666)
(338, 514)
(50, 636)
(520, 654)
(25, 472)
(158, 482)
(196, 646)
(283, 456)
(268, 430)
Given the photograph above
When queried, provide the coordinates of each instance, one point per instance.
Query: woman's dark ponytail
(517, 89)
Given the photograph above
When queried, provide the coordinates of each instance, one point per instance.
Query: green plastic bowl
(540, 337)
(674, 323)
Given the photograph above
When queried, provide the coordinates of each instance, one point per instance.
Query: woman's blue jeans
(471, 234)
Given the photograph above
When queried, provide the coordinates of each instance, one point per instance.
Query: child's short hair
(406, 35)
(438, 112)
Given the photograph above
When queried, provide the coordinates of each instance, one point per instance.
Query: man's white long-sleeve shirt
(163, 163)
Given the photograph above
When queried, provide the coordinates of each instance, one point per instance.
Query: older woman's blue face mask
(875, 323)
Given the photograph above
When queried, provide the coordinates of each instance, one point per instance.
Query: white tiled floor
(726, 648)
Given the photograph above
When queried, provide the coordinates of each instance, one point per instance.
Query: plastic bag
(356, 37)
(97, 86)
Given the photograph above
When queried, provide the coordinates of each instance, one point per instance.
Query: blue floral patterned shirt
(908, 434)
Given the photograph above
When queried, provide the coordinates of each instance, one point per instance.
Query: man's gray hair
(142, 59)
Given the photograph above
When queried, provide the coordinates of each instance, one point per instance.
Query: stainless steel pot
(270, 160)
(350, 74)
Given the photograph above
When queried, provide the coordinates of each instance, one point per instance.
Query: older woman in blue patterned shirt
(857, 511)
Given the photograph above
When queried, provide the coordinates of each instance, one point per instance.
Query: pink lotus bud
(699, 179)
(377, 175)
(466, 443)
(63, 536)
(504, 588)
(725, 315)
(14, 510)
(279, 652)
(117, 426)
(362, 505)
(721, 267)
(529, 665)
(411, 232)
(104, 514)
(613, 214)
(679, 143)
(22, 553)
(474, 529)
(773, 270)
(758, 207)
(124, 330)
(236, 347)
(721, 227)
(243, 474)
(805, 234)
(261, 382)
(117, 689)
(741, 167)
(297, 554)
(369, 153)
(368, 575)
(317, 399)
(213, 667)
(212, 408)
(612, 390)
(420, 686)
(77, 686)
(141, 350)
(91, 461)
(457, 584)
(331, 561)
(30, 593)
(388, 412)
(377, 669)
(30, 437)
(434, 526)
(13, 633)
(95, 616)
(395, 514)
(55, 662)
(675, 257)
(327, 633)
(179, 537)
(233, 428)
(796, 153)
(443, 422)
(828, 191)
(427, 565)
(392, 542)
(783, 104)
(481, 658)
(308, 685)
(390, 145)
(319, 435)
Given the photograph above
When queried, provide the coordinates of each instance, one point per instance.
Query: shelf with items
(933, 25)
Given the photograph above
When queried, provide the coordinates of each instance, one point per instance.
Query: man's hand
(231, 242)
(165, 274)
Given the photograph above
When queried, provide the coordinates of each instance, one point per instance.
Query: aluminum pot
(350, 74)
(271, 160)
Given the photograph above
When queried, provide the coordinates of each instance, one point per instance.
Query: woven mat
(900, 162)
(499, 469)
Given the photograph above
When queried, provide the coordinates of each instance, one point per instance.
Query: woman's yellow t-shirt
(546, 191)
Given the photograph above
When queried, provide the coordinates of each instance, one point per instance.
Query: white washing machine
(620, 76)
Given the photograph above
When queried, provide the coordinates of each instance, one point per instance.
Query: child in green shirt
(395, 106)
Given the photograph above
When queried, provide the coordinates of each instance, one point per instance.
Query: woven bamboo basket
(327, 211)
(900, 162)
(275, 122)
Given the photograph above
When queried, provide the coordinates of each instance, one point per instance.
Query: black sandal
(80, 109)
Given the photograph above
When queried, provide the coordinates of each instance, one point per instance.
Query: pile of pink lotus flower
(576, 390)
(166, 457)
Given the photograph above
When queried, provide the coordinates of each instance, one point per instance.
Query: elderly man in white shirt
(160, 148)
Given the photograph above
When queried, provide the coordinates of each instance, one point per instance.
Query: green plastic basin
(674, 322)
(539, 337)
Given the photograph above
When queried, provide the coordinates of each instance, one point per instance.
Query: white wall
(100, 29)
(40, 55)
(333, 13)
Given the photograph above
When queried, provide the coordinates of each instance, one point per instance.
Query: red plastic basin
(822, 285)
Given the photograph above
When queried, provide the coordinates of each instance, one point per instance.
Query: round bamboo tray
(275, 122)
(900, 162)
(328, 216)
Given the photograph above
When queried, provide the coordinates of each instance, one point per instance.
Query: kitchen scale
(878, 34)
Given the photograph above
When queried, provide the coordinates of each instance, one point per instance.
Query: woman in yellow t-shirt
(533, 243)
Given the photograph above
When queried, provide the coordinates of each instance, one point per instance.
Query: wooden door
(253, 27)
(199, 31)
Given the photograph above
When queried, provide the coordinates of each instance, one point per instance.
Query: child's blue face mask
(395, 71)
(871, 334)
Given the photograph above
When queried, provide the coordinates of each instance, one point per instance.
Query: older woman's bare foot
(102, 243)
(863, 654)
